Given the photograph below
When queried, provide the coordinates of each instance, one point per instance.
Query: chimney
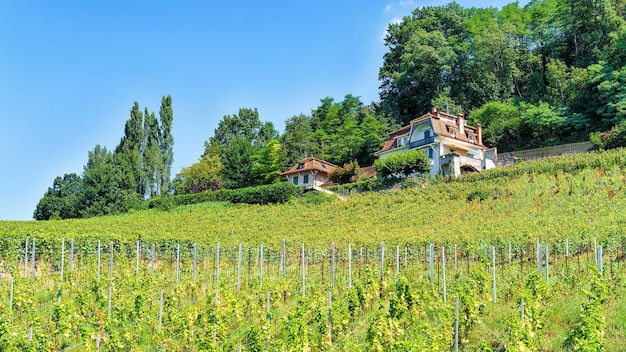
(479, 133)
(461, 119)
(433, 110)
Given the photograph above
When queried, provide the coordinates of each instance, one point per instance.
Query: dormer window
(452, 131)
(300, 166)
(401, 141)
(471, 137)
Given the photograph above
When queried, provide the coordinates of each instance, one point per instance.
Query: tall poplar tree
(166, 144)
(151, 155)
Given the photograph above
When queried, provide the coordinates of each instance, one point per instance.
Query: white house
(453, 146)
(309, 173)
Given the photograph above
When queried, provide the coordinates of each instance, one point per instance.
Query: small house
(309, 173)
(453, 146)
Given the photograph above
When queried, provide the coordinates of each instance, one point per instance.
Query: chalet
(309, 173)
(452, 146)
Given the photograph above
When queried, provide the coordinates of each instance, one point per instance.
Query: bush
(346, 174)
(413, 161)
(268, 194)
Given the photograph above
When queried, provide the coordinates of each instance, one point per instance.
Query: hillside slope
(518, 206)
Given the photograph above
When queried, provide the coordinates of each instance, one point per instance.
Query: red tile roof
(310, 164)
(442, 124)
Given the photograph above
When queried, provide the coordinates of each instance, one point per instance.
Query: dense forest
(546, 73)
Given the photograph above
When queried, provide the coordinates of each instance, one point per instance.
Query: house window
(426, 134)
(295, 180)
(453, 131)
(430, 153)
(305, 179)
(300, 166)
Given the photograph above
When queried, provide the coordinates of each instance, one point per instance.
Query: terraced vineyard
(540, 235)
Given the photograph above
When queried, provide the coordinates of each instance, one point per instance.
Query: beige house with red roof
(452, 145)
(309, 173)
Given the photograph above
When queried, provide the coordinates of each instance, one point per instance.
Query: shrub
(413, 161)
(346, 174)
(274, 193)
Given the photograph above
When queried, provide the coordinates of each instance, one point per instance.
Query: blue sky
(71, 70)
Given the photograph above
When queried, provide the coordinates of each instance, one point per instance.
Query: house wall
(313, 181)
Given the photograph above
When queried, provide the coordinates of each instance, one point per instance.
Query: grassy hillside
(522, 206)
(181, 290)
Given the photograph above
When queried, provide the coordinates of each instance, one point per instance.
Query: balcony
(421, 142)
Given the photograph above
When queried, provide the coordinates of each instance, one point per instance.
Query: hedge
(267, 194)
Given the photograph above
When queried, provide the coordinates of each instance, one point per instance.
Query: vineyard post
(111, 261)
(177, 262)
(349, 266)
(30, 335)
(25, 256)
(261, 266)
(283, 259)
(361, 256)
(303, 272)
(397, 261)
(217, 271)
(195, 261)
(430, 262)
(599, 254)
(382, 259)
(72, 255)
(332, 267)
(547, 266)
(493, 264)
(98, 255)
(456, 325)
(330, 318)
(32, 277)
(239, 268)
(443, 267)
(98, 343)
(160, 311)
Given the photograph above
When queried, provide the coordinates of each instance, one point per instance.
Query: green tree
(101, 192)
(201, 176)
(152, 157)
(413, 161)
(166, 144)
(61, 200)
(129, 152)
(237, 163)
(298, 140)
(268, 163)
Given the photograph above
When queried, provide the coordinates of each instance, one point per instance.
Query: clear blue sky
(71, 70)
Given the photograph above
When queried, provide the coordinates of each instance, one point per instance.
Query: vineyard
(529, 260)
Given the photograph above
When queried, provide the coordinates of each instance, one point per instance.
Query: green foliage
(199, 177)
(563, 57)
(268, 163)
(589, 334)
(346, 174)
(114, 183)
(405, 163)
(268, 194)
